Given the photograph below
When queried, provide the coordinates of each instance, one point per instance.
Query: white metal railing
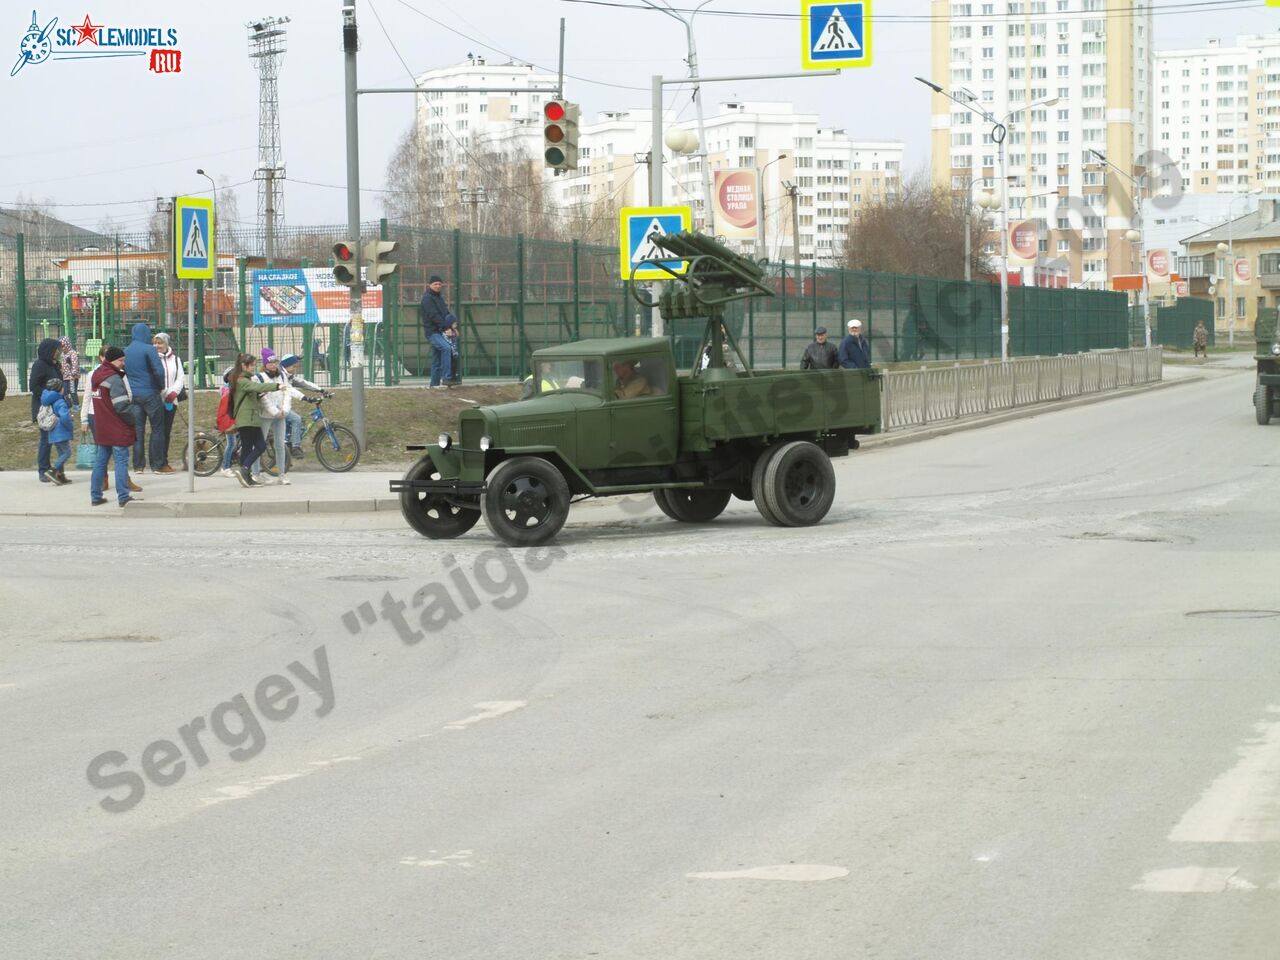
(935, 394)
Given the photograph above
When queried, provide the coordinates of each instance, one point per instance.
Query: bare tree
(919, 231)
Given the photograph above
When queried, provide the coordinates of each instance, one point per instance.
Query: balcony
(1269, 271)
(1195, 268)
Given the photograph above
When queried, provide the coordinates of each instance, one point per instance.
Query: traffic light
(377, 262)
(560, 134)
(345, 271)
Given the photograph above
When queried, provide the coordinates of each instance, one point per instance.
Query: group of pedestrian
(257, 408)
(853, 353)
(440, 327)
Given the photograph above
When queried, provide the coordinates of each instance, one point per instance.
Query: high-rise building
(1066, 77)
(1218, 115)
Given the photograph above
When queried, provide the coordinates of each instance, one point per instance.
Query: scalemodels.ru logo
(91, 41)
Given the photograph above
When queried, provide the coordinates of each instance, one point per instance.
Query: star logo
(88, 31)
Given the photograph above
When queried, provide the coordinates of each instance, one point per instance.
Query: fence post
(784, 314)
(813, 297)
(986, 386)
(244, 300)
(1039, 362)
(23, 334)
(751, 332)
(1013, 375)
(577, 297)
(520, 338)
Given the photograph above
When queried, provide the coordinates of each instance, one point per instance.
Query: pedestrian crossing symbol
(638, 226)
(835, 35)
(193, 238)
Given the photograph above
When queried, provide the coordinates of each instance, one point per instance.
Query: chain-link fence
(512, 295)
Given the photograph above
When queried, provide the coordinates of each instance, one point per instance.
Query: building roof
(29, 222)
(1258, 225)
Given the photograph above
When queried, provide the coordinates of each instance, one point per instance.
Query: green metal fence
(1176, 324)
(512, 295)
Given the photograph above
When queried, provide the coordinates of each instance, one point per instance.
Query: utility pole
(793, 192)
(473, 197)
(350, 45)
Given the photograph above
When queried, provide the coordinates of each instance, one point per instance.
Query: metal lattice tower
(266, 45)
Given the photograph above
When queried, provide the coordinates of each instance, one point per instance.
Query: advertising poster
(294, 295)
(1159, 265)
(737, 204)
(1244, 272)
(1024, 244)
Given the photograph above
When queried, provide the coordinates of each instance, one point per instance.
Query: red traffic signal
(554, 110)
(343, 252)
(560, 135)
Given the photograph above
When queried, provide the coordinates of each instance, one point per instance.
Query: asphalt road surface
(1017, 698)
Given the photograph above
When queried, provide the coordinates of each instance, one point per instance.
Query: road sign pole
(191, 393)
(655, 155)
(356, 321)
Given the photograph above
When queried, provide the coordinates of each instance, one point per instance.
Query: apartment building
(1218, 115)
(1066, 78)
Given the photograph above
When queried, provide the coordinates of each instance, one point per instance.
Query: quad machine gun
(714, 277)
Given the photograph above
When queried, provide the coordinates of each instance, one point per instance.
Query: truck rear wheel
(757, 484)
(526, 501)
(799, 484)
(431, 514)
(693, 506)
(1262, 404)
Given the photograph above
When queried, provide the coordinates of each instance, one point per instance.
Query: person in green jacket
(243, 408)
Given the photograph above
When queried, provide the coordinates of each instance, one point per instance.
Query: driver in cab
(628, 383)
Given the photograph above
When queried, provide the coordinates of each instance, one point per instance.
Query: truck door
(644, 416)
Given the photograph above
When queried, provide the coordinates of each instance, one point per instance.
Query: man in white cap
(855, 351)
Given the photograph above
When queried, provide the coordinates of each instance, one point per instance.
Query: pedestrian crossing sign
(835, 35)
(193, 238)
(637, 227)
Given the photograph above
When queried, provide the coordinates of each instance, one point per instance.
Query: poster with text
(737, 204)
(295, 295)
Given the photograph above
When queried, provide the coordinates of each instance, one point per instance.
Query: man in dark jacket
(855, 351)
(112, 427)
(436, 319)
(145, 374)
(44, 369)
(820, 355)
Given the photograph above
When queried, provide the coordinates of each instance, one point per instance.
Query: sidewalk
(311, 491)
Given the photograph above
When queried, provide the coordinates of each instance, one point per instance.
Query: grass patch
(394, 416)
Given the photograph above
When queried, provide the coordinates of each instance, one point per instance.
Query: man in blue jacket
(145, 376)
(855, 351)
(436, 319)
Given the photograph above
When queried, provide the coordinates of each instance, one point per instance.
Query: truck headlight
(445, 441)
(487, 441)
(1275, 349)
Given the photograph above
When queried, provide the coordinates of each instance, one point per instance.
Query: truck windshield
(562, 375)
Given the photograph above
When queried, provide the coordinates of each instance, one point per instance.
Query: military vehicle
(615, 417)
(1266, 395)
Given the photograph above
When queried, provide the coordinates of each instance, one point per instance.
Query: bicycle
(336, 447)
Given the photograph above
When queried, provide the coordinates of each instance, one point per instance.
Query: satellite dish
(1212, 289)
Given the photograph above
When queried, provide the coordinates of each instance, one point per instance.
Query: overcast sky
(87, 131)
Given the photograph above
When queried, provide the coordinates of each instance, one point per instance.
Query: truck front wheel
(526, 501)
(1262, 404)
(692, 506)
(798, 484)
(431, 514)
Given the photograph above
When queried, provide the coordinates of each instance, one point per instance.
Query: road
(1017, 697)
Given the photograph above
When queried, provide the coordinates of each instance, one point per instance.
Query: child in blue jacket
(60, 435)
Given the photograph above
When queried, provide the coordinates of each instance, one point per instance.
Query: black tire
(799, 484)
(1262, 404)
(341, 458)
(268, 460)
(526, 502)
(660, 498)
(696, 506)
(757, 484)
(209, 450)
(431, 515)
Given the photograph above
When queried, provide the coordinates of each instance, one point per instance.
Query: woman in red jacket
(114, 434)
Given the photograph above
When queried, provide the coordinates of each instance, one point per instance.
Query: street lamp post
(762, 243)
(1229, 249)
(987, 202)
(1137, 236)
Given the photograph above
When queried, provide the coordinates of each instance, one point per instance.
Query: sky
(103, 137)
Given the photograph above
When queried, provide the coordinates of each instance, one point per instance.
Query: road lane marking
(1193, 880)
(1242, 805)
(247, 788)
(488, 710)
(461, 858)
(793, 872)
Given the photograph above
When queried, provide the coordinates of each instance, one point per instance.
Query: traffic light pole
(349, 48)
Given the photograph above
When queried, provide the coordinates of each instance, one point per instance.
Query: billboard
(737, 204)
(1024, 244)
(297, 295)
(1244, 271)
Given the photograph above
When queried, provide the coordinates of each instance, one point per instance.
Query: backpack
(46, 419)
(224, 422)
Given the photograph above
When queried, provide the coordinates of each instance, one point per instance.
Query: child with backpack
(54, 417)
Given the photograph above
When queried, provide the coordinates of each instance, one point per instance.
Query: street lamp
(1230, 250)
(762, 244)
(987, 201)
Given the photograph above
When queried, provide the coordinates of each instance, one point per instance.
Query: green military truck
(1266, 394)
(615, 417)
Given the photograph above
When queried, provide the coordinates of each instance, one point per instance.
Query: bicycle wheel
(208, 454)
(338, 453)
(269, 461)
